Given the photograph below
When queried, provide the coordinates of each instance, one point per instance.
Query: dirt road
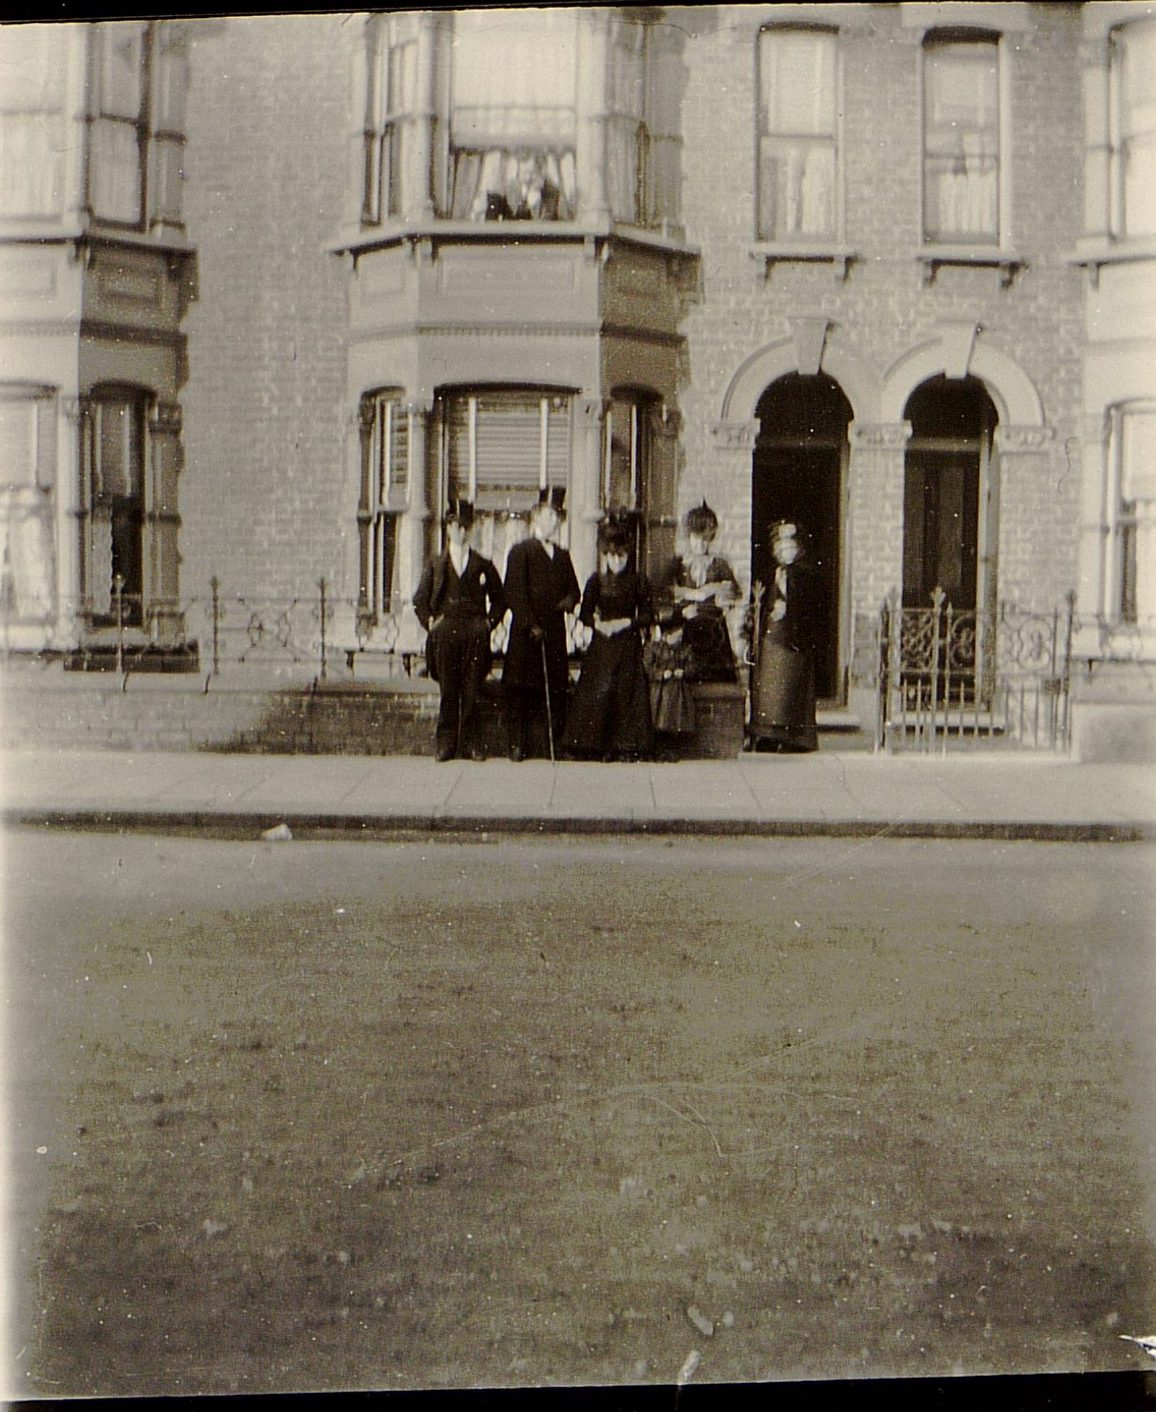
(499, 1112)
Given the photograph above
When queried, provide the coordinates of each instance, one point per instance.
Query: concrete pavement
(997, 795)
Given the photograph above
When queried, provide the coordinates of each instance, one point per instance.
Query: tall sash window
(961, 140)
(27, 504)
(798, 134)
(1132, 134)
(32, 145)
(118, 152)
(385, 425)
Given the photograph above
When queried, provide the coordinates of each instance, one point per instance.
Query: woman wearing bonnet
(783, 672)
(704, 586)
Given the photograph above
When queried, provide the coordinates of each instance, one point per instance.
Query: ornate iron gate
(950, 680)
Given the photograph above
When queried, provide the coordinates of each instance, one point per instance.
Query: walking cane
(549, 708)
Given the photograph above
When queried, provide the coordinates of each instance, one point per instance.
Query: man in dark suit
(541, 588)
(459, 602)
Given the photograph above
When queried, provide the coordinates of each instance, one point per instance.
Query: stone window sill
(772, 253)
(934, 257)
(1094, 253)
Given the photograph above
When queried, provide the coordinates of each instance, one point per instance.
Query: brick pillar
(727, 485)
(874, 544)
(1025, 479)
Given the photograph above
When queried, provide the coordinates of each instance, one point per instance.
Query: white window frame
(28, 584)
(110, 116)
(1118, 43)
(389, 117)
(386, 474)
(999, 239)
(1131, 524)
(763, 133)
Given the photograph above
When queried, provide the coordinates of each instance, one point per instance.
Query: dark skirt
(712, 657)
(610, 711)
(783, 698)
(672, 706)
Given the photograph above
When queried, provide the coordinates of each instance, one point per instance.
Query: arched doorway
(798, 473)
(949, 500)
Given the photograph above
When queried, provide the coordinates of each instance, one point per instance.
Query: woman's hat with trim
(701, 520)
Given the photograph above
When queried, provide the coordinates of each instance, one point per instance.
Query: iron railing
(947, 679)
(321, 633)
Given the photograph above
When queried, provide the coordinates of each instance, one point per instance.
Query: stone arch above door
(957, 351)
(809, 349)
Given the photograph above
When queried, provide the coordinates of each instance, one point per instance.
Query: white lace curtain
(513, 114)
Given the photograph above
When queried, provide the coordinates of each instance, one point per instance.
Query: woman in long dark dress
(610, 713)
(704, 586)
(783, 675)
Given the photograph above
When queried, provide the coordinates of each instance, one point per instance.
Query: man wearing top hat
(541, 588)
(459, 602)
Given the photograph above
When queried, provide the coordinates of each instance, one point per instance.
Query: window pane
(796, 188)
(33, 61)
(961, 141)
(797, 82)
(1135, 50)
(514, 78)
(797, 150)
(508, 447)
(168, 158)
(18, 442)
(31, 164)
(1138, 452)
(1127, 551)
(121, 86)
(119, 469)
(115, 171)
(622, 466)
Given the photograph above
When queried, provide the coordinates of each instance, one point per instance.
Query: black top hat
(614, 534)
(554, 496)
(460, 510)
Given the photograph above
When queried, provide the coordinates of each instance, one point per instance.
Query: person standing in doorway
(541, 588)
(459, 602)
(783, 674)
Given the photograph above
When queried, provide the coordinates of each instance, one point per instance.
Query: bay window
(32, 144)
(390, 101)
(118, 154)
(385, 426)
(638, 473)
(961, 139)
(1132, 130)
(629, 182)
(499, 448)
(513, 115)
(27, 486)
(798, 155)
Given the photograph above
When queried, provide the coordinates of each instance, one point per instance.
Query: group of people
(633, 697)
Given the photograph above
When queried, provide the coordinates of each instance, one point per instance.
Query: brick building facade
(884, 268)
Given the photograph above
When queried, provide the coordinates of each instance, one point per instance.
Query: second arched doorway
(798, 473)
